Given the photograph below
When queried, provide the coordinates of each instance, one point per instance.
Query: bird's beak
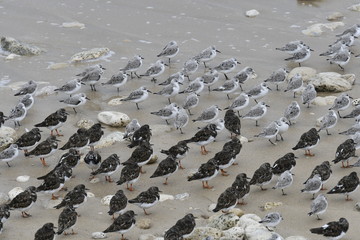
(268, 88)
(180, 83)
(217, 51)
(87, 189)
(311, 50)
(267, 105)
(82, 83)
(238, 62)
(166, 64)
(149, 91)
(87, 98)
(141, 57)
(351, 97)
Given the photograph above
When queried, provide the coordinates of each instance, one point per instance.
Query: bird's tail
(316, 230)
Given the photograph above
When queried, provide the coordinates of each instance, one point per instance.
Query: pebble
(11, 56)
(95, 180)
(355, 7)
(252, 13)
(115, 101)
(98, 235)
(317, 29)
(14, 192)
(182, 196)
(335, 16)
(164, 197)
(153, 159)
(357, 206)
(90, 194)
(143, 223)
(73, 25)
(114, 119)
(55, 66)
(106, 200)
(46, 91)
(270, 205)
(85, 123)
(356, 101)
(110, 139)
(7, 136)
(4, 198)
(24, 178)
(91, 54)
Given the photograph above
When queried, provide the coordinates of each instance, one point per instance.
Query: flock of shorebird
(140, 136)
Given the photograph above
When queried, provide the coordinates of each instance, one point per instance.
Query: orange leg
(223, 172)
(43, 162)
(58, 134)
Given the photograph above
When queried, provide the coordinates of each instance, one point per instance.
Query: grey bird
(308, 95)
(285, 180)
(318, 206)
(313, 185)
(133, 65)
(92, 75)
(28, 88)
(271, 219)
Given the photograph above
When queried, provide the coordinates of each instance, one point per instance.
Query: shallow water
(144, 27)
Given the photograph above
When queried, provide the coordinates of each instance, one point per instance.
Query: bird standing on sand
(24, 201)
(345, 151)
(285, 180)
(54, 121)
(271, 220)
(46, 232)
(347, 185)
(204, 136)
(318, 206)
(92, 75)
(44, 149)
(170, 50)
(262, 176)
(117, 203)
(137, 96)
(182, 229)
(226, 201)
(147, 198)
(206, 172)
(122, 223)
(107, 167)
(133, 65)
(308, 140)
(333, 230)
(308, 95)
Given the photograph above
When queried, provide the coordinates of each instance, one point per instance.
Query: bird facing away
(262, 176)
(347, 185)
(46, 232)
(182, 229)
(285, 180)
(318, 206)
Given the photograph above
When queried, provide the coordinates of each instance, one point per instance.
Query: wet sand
(141, 27)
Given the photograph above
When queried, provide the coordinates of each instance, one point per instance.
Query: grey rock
(14, 46)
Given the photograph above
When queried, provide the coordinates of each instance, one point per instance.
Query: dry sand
(144, 27)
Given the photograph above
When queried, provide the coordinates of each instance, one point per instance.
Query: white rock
(270, 205)
(335, 16)
(248, 220)
(115, 101)
(7, 136)
(223, 221)
(85, 123)
(90, 194)
(356, 101)
(143, 223)
(200, 233)
(11, 56)
(147, 237)
(50, 204)
(257, 233)
(55, 66)
(296, 238)
(252, 13)
(355, 7)
(14, 192)
(14, 46)
(182, 196)
(306, 73)
(110, 139)
(212, 207)
(324, 101)
(357, 206)
(164, 197)
(46, 91)
(73, 25)
(98, 235)
(332, 82)
(106, 200)
(243, 140)
(318, 28)
(95, 180)
(91, 54)
(159, 129)
(24, 178)
(4, 198)
(233, 233)
(114, 119)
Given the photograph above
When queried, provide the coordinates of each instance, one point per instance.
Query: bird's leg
(226, 77)
(72, 232)
(241, 87)
(294, 95)
(263, 189)
(318, 217)
(327, 132)
(58, 134)
(141, 171)
(313, 196)
(165, 183)
(137, 106)
(272, 142)
(242, 202)
(341, 67)
(53, 197)
(131, 188)
(181, 131)
(75, 111)
(347, 163)
(228, 96)
(256, 123)
(8, 164)
(43, 162)
(277, 87)
(153, 80)
(189, 112)
(146, 212)
(282, 139)
(169, 100)
(167, 123)
(25, 215)
(51, 132)
(276, 138)
(347, 198)
(207, 185)
(223, 172)
(283, 193)
(109, 179)
(339, 114)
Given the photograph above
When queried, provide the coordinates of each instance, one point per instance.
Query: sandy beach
(145, 27)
